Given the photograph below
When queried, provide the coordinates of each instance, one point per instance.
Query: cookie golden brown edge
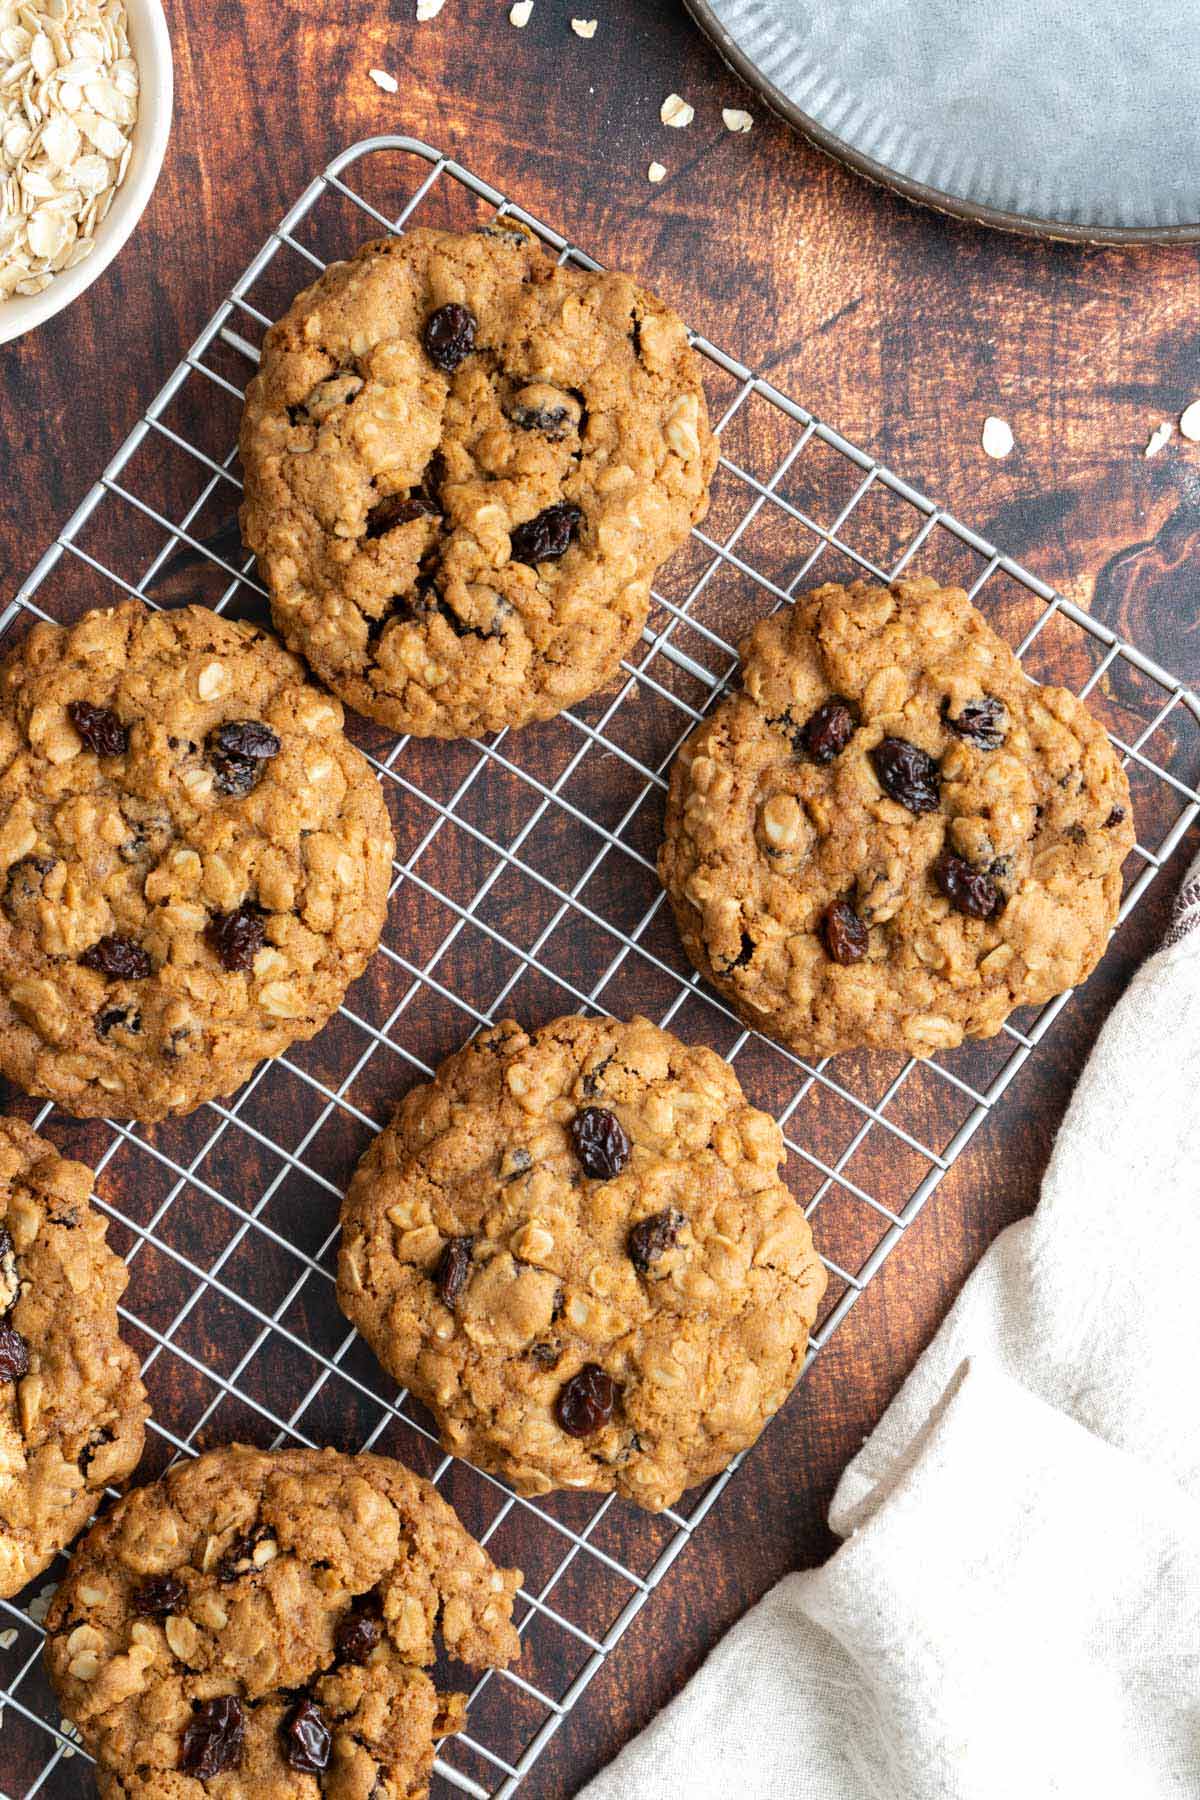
(889, 836)
(464, 463)
(72, 1404)
(194, 860)
(263, 1621)
(574, 1246)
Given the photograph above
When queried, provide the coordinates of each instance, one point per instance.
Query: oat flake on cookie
(68, 105)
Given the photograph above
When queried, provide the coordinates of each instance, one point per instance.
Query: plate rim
(973, 212)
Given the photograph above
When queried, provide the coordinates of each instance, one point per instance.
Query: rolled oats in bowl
(68, 105)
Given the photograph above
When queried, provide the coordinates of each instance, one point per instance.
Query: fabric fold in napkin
(1016, 1607)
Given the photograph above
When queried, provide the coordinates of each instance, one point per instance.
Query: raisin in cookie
(575, 1248)
(263, 1620)
(891, 836)
(193, 860)
(463, 466)
(72, 1405)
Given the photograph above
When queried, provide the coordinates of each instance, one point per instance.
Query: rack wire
(524, 884)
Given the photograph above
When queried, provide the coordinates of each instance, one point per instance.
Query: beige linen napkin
(1015, 1611)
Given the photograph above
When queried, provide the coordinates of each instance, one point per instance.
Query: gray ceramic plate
(1066, 118)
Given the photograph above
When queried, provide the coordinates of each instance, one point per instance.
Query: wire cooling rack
(524, 884)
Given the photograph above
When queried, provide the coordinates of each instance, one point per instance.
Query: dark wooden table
(897, 326)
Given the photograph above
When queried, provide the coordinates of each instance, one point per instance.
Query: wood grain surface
(899, 327)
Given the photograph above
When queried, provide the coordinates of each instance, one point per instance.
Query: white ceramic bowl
(152, 49)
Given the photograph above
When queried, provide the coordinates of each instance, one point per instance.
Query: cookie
(72, 1405)
(575, 1248)
(463, 466)
(262, 1621)
(891, 836)
(194, 862)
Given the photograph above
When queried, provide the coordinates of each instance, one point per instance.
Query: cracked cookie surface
(72, 1405)
(891, 836)
(193, 859)
(574, 1246)
(463, 466)
(262, 1621)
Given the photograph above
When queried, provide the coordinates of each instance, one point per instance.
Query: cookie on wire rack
(574, 1246)
(890, 836)
(194, 860)
(263, 1620)
(72, 1404)
(464, 464)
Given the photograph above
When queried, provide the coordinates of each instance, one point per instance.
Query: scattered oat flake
(383, 80)
(735, 120)
(39, 1606)
(520, 14)
(1159, 438)
(428, 9)
(997, 438)
(8, 1638)
(676, 111)
(656, 173)
(584, 28)
(1189, 423)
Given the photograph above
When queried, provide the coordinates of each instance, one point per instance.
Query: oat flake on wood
(68, 105)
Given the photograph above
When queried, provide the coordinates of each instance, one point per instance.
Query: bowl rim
(156, 73)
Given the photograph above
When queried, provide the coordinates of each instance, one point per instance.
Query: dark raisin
(215, 1739)
(148, 831)
(553, 421)
(247, 738)
(110, 1018)
(237, 937)
(600, 1142)
(454, 1265)
(96, 1441)
(449, 336)
(24, 886)
(843, 933)
(506, 232)
(238, 1560)
(907, 775)
(14, 1354)
(980, 720)
(397, 509)
(744, 957)
(99, 727)
(827, 732)
(235, 776)
(653, 1237)
(1114, 817)
(119, 958)
(970, 891)
(359, 1631)
(547, 536)
(239, 752)
(307, 1739)
(1075, 833)
(546, 1356)
(586, 1403)
(593, 1081)
(158, 1596)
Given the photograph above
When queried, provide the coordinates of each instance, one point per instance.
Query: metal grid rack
(227, 1218)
